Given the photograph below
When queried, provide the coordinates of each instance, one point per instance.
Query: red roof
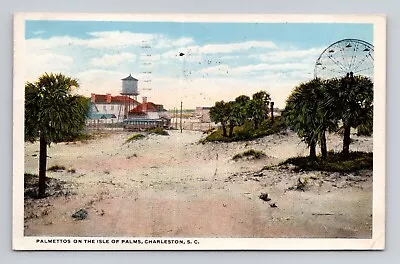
(150, 107)
(122, 99)
(102, 98)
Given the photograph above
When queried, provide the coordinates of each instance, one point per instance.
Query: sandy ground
(173, 186)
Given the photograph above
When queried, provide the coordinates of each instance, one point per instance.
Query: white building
(108, 106)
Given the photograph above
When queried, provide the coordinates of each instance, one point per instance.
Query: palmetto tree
(306, 114)
(351, 100)
(52, 112)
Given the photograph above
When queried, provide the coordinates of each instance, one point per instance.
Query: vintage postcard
(198, 132)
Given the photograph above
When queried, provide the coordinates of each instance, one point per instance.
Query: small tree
(258, 107)
(51, 114)
(236, 112)
(219, 114)
(234, 115)
(241, 111)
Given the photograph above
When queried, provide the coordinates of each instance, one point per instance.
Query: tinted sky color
(220, 60)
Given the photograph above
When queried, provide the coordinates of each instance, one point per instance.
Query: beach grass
(134, 137)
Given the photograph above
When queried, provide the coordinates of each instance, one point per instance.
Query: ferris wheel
(344, 57)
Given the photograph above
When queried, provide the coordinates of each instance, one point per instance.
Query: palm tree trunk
(272, 112)
(346, 142)
(255, 124)
(224, 130)
(42, 165)
(313, 154)
(231, 126)
(324, 151)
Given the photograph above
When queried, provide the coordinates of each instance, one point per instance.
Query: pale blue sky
(221, 61)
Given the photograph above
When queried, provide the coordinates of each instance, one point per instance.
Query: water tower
(129, 89)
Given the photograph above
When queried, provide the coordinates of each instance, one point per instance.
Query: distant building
(147, 115)
(106, 106)
(203, 114)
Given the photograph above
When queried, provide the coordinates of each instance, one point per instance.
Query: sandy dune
(174, 186)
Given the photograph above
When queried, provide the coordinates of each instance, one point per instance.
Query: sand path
(173, 186)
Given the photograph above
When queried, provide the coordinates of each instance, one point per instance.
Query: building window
(104, 108)
(112, 108)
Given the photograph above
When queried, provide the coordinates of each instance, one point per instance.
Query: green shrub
(56, 168)
(134, 137)
(216, 136)
(247, 131)
(251, 154)
(334, 162)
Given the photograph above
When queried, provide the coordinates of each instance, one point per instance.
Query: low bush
(247, 131)
(134, 137)
(251, 154)
(56, 168)
(333, 163)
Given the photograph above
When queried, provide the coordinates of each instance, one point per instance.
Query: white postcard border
(377, 242)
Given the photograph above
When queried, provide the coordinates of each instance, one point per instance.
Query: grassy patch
(250, 154)
(247, 131)
(334, 162)
(216, 136)
(134, 137)
(158, 131)
(56, 168)
(30, 180)
(54, 187)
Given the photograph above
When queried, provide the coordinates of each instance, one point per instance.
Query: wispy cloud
(289, 55)
(108, 60)
(38, 63)
(254, 68)
(112, 40)
(221, 48)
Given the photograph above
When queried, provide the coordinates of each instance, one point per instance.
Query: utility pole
(176, 118)
(173, 116)
(181, 118)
